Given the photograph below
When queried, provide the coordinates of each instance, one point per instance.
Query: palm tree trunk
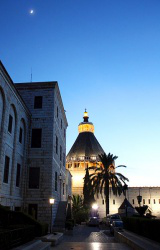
(107, 197)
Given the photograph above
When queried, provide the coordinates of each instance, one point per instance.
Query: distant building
(83, 153)
(32, 147)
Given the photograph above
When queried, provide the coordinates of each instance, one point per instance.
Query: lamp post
(95, 207)
(60, 179)
(51, 201)
(125, 188)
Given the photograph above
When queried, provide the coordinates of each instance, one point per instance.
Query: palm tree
(105, 176)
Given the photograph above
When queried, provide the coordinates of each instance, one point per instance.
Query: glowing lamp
(95, 206)
(51, 201)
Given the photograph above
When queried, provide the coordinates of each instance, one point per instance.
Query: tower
(84, 153)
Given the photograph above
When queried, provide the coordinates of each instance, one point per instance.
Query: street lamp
(51, 201)
(60, 179)
(94, 207)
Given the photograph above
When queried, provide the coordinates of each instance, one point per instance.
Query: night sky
(105, 56)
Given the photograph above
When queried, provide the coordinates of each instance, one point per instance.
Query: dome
(86, 146)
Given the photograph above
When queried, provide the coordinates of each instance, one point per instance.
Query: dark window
(6, 169)
(159, 201)
(154, 201)
(34, 174)
(133, 201)
(63, 159)
(10, 124)
(20, 135)
(149, 201)
(114, 202)
(144, 201)
(36, 138)
(38, 102)
(63, 187)
(56, 145)
(102, 202)
(56, 179)
(60, 153)
(61, 123)
(18, 175)
(57, 111)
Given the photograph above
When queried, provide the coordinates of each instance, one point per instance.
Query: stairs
(59, 223)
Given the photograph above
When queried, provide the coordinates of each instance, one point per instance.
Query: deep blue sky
(106, 57)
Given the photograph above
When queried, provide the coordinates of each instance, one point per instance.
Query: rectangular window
(18, 175)
(63, 188)
(34, 175)
(154, 201)
(143, 201)
(10, 124)
(63, 159)
(57, 112)
(133, 201)
(6, 169)
(56, 180)
(114, 202)
(36, 138)
(20, 135)
(60, 153)
(149, 201)
(56, 145)
(102, 202)
(38, 102)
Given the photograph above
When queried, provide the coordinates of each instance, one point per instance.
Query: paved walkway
(89, 238)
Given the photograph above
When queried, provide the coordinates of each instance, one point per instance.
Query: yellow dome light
(86, 126)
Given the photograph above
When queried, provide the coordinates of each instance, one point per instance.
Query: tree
(106, 177)
(88, 190)
(77, 203)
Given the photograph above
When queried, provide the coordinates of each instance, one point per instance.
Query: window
(20, 135)
(37, 102)
(102, 202)
(56, 180)
(113, 202)
(159, 201)
(61, 123)
(154, 201)
(56, 145)
(34, 174)
(10, 124)
(132, 201)
(57, 112)
(6, 169)
(144, 201)
(18, 175)
(36, 138)
(60, 153)
(63, 188)
(149, 201)
(63, 159)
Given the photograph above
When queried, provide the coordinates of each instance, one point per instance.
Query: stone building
(83, 153)
(32, 147)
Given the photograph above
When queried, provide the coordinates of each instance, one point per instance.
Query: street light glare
(95, 206)
(51, 201)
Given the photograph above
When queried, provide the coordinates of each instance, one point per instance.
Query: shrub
(69, 224)
(143, 226)
(81, 216)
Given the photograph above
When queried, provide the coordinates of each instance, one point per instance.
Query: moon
(31, 12)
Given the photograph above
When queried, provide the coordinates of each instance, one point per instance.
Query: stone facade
(38, 110)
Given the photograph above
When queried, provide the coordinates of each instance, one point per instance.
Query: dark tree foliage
(88, 191)
(141, 210)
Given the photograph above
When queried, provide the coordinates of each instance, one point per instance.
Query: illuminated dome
(86, 146)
